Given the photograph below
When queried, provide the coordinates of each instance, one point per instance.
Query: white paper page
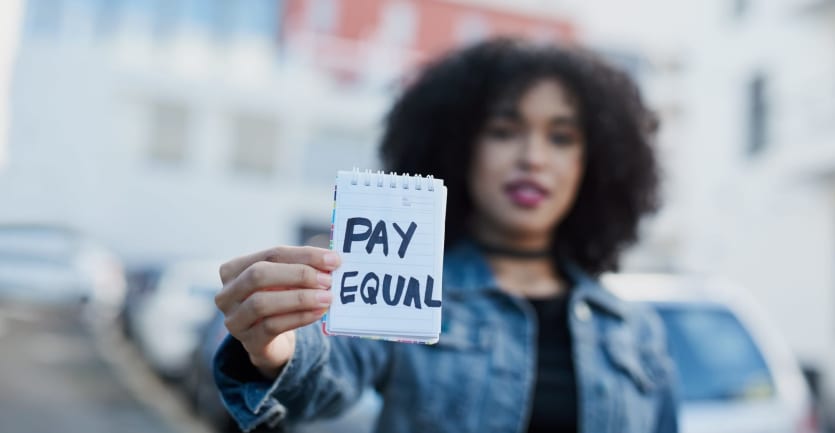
(391, 221)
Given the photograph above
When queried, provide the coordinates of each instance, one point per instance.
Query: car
(54, 264)
(168, 320)
(199, 383)
(142, 280)
(735, 371)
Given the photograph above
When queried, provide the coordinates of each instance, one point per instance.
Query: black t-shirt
(555, 397)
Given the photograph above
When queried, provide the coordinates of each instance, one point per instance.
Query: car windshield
(36, 245)
(716, 357)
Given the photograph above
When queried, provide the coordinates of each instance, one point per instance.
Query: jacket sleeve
(324, 376)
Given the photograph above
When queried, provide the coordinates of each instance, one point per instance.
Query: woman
(547, 158)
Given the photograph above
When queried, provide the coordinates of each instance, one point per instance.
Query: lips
(526, 193)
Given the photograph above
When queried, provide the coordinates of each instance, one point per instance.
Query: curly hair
(433, 126)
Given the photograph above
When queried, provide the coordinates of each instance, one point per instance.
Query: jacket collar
(467, 270)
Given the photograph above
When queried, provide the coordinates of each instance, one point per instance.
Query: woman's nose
(532, 151)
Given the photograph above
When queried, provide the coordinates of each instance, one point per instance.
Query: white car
(50, 264)
(168, 322)
(736, 372)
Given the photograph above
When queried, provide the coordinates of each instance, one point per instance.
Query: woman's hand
(267, 295)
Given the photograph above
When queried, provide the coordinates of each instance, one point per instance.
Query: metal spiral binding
(355, 176)
(382, 179)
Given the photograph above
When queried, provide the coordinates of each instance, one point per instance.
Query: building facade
(194, 128)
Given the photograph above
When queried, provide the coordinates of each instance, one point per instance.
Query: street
(62, 371)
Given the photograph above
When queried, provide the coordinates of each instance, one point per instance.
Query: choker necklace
(496, 250)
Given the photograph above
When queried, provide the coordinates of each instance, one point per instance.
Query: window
(43, 17)
(108, 17)
(322, 15)
(169, 132)
(399, 23)
(331, 149)
(471, 28)
(223, 17)
(255, 142)
(251, 17)
(719, 359)
(757, 107)
(260, 17)
(739, 8)
(167, 17)
(199, 14)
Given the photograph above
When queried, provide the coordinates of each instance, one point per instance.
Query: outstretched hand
(269, 294)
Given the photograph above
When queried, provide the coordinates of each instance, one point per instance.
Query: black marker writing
(358, 229)
(346, 294)
(406, 237)
(370, 289)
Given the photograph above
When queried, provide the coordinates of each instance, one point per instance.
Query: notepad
(389, 231)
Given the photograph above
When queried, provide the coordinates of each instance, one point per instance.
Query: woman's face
(527, 166)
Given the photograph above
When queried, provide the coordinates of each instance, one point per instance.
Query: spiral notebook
(389, 231)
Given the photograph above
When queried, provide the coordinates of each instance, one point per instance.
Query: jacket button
(582, 311)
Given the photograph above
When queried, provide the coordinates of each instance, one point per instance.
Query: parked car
(167, 322)
(142, 280)
(51, 264)
(199, 383)
(735, 371)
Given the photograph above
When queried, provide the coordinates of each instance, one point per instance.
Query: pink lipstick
(526, 193)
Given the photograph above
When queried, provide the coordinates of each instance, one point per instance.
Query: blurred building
(746, 94)
(758, 172)
(175, 128)
(172, 128)
(745, 90)
(381, 40)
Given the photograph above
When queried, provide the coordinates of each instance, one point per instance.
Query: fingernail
(324, 298)
(324, 280)
(330, 259)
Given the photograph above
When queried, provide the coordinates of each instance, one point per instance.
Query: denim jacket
(480, 376)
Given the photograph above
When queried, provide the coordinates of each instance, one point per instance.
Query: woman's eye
(501, 132)
(562, 139)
